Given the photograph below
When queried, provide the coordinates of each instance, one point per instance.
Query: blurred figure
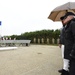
(61, 45)
(69, 42)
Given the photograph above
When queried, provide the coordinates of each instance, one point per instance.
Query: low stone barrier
(15, 42)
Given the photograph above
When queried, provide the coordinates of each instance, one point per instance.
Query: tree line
(37, 34)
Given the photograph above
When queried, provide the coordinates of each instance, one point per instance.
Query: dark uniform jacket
(69, 35)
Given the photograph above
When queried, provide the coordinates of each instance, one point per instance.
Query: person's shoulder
(73, 20)
(73, 23)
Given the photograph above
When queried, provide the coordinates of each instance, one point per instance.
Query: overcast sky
(19, 16)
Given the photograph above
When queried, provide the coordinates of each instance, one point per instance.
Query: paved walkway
(32, 60)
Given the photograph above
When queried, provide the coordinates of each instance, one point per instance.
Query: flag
(0, 23)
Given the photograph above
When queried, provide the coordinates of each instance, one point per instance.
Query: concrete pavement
(32, 60)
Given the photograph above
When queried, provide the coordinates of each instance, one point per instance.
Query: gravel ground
(32, 60)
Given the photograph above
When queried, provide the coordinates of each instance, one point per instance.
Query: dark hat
(67, 14)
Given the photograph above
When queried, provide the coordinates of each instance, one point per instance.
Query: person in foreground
(69, 38)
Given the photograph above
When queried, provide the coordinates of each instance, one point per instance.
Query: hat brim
(62, 18)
